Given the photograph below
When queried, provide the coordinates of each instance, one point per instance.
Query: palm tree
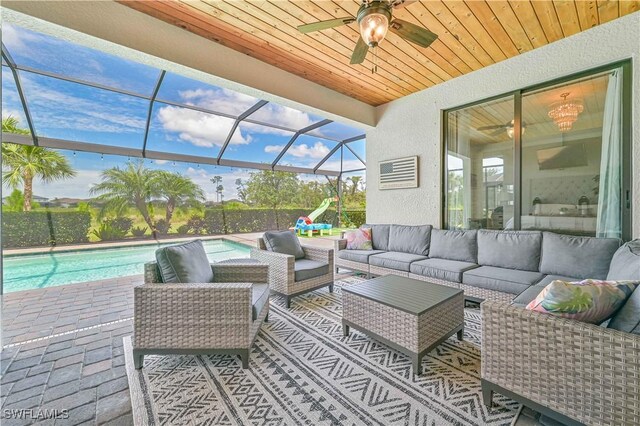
(177, 190)
(10, 124)
(133, 185)
(355, 182)
(216, 181)
(23, 163)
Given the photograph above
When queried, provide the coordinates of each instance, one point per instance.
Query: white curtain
(609, 223)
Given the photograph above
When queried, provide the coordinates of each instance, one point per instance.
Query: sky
(71, 111)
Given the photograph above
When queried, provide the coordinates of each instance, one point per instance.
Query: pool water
(26, 272)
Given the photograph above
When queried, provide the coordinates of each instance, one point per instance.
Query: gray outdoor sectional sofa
(486, 264)
(571, 371)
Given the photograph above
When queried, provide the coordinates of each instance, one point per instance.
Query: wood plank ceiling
(472, 34)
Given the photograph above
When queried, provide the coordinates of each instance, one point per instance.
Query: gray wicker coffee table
(411, 316)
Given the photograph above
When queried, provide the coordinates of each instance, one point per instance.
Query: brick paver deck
(62, 350)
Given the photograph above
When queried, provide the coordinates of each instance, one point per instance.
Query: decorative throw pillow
(360, 239)
(592, 301)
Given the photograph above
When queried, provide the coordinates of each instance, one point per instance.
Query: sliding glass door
(553, 157)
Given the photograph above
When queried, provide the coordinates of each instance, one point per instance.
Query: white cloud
(198, 128)
(161, 162)
(76, 187)
(318, 151)
(219, 100)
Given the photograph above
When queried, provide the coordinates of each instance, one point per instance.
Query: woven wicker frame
(198, 317)
(581, 371)
(414, 335)
(282, 272)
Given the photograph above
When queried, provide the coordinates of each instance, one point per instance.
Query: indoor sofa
(486, 264)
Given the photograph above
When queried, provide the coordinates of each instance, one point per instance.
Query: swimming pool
(26, 272)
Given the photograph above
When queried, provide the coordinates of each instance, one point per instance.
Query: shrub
(138, 231)
(162, 227)
(107, 232)
(195, 224)
(120, 224)
(43, 228)
(183, 229)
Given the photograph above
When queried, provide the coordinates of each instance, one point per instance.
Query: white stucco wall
(412, 125)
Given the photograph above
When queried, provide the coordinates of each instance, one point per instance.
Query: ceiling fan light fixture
(510, 131)
(374, 20)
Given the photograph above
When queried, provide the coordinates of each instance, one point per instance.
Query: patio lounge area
(364, 212)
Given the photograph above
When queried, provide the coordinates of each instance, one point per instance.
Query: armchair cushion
(305, 269)
(259, 298)
(361, 256)
(284, 242)
(184, 263)
(395, 260)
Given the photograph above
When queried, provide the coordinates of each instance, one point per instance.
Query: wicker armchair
(198, 318)
(282, 270)
(574, 372)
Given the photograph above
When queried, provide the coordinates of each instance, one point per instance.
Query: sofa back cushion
(510, 249)
(627, 319)
(184, 263)
(410, 239)
(285, 242)
(379, 236)
(580, 257)
(625, 264)
(454, 245)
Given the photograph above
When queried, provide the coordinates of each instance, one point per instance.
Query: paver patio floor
(62, 349)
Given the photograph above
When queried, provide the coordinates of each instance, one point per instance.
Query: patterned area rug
(304, 372)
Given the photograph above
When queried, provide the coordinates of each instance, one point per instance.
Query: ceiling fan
(499, 128)
(375, 18)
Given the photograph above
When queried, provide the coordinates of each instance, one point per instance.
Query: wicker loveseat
(201, 318)
(571, 371)
(292, 277)
(486, 264)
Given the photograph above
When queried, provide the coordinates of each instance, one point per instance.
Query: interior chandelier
(564, 113)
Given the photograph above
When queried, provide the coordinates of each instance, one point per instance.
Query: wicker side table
(408, 315)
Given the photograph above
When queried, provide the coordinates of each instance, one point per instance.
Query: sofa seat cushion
(361, 256)
(259, 298)
(532, 292)
(395, 260)
(582, 257)
(454, 245)
(500, 279)
(184, 263)
(305, 269)
(284, 242)
(442, 269)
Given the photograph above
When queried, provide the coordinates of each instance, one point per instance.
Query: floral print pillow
(360, 239)
(592, 301)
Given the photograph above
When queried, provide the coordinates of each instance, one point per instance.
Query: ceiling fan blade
(415, 34)
(360, 52)
(497, 132)
(398, 4)
(497, 126)
(323, 25)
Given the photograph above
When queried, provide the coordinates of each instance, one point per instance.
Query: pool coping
(119, 244)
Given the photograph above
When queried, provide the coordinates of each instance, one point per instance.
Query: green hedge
(43, 228)
(220, 221)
